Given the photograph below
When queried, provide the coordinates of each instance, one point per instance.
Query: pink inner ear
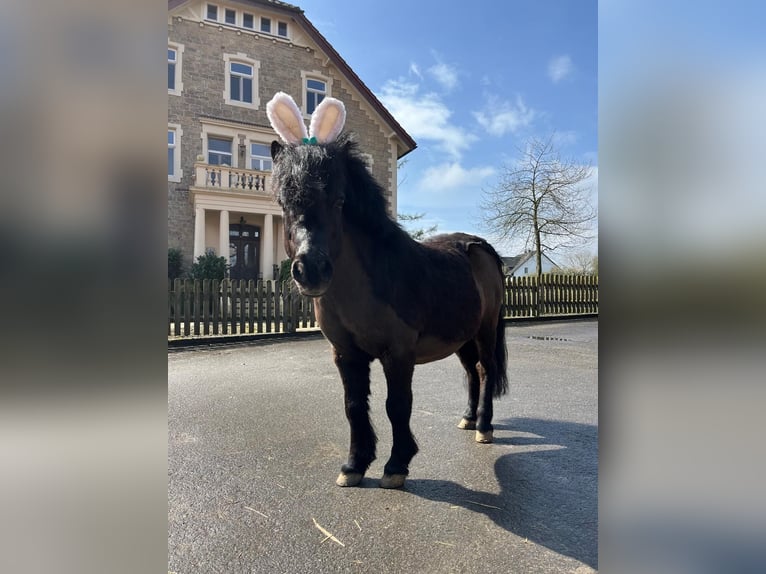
(286, 118)
(327, 120)
(328, 124)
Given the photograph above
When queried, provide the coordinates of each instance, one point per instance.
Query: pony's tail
(501, 354)
(501, 357)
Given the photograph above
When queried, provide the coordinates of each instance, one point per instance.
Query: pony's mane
(308, 171)
(366, 203)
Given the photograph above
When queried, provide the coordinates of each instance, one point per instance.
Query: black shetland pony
(379, 294)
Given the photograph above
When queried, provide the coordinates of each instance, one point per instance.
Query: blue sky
(471, 83)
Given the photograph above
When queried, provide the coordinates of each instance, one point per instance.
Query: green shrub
(284, 270)
(209, 266)
(175, 263)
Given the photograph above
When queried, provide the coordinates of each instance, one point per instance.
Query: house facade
(225, 62)
(526, 264)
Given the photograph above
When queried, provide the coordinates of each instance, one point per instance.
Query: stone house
(225, 62)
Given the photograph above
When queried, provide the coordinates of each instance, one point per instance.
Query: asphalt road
(257, 434)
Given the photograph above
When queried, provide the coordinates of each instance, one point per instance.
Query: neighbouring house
(225, 62)
(526, 264)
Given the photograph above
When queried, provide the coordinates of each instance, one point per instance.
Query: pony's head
(309, 180)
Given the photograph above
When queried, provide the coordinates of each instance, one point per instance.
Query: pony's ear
(327, 120)
(276, 149)
(286, 118)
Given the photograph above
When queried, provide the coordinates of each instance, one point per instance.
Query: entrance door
(244, 251)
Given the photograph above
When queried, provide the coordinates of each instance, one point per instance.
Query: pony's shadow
(548, 496)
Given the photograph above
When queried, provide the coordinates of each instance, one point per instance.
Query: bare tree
(419, 233)
(583, 263)
(542, 198)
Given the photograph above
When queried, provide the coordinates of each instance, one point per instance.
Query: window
(241, 88)
(174, 152)
(247, 21)
(175, 56)
(218, 151)
(172, 55)
(260, 157)
(230, 16)
(212, 12)
(316, 90)
(171, 153)
(241, 82)
(282, 29)
(266, 25)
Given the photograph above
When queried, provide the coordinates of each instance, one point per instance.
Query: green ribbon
(310, 141)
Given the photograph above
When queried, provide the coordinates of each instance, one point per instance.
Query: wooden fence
(236, 307)
(198, 308)
(554, 295)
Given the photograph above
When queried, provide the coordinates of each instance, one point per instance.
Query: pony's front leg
(398, 371)
(355, 373)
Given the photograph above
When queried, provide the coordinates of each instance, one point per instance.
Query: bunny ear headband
(286, 119)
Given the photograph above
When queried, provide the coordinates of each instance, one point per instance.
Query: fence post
(224, 306)
(278, 316)
(215, 293)
(287, 294)
(196, 309)
(250, 310)
(187, 292)
(242, 306)
(170, 308)
(269, 306)
(206, 304)
(259, 316)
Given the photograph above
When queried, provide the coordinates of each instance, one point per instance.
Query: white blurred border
(682, 142)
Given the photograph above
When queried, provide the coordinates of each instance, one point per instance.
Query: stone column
(199, 232)
(223, 235)
(267, 246)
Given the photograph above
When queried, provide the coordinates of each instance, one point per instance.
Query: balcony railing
(232, 178)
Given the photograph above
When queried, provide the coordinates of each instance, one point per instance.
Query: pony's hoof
(466, 424)
(484, 437)
(392, 480)
(350, 479)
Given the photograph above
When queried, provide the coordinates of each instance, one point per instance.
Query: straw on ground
(328, 535)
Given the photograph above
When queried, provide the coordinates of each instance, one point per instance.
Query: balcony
(226, 178)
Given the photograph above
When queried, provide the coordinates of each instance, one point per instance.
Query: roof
(296, 13)
(271, 3)
(513, 263)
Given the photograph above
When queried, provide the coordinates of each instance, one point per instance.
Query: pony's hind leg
(469, 357)
(398, 373)
(355, 374)
(487, 369)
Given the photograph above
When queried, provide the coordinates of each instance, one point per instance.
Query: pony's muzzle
(312, 273)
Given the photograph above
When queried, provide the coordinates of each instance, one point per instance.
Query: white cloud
(445, 74)
(425, 116)
(499, 118)
(565, 138)
(559, 68)
(452, 175)
(414, 69)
